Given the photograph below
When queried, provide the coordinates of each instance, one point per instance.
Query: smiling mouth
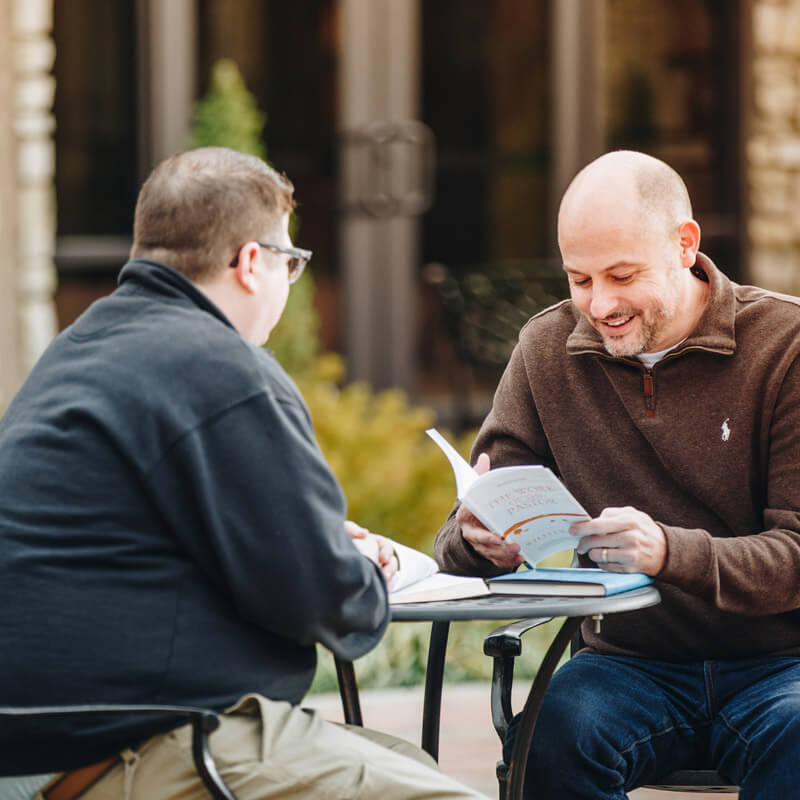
(617, 323)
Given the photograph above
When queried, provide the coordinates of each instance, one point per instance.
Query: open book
(526, 504)
(419, 580)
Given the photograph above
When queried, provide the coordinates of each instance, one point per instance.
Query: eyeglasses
(296, 263)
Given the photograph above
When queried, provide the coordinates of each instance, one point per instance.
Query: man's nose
(603, 302)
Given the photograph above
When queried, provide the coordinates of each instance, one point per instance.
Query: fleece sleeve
(250, 497)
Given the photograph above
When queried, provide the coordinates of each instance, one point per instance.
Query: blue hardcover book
(568, 581)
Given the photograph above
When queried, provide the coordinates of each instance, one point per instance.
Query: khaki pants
(266, 749)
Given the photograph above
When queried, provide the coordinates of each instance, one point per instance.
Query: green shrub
(227, 115)
(295, 339)
(397, 482)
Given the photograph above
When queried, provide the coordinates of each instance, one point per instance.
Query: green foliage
(397, 482)
(227, 116)
(295, 339)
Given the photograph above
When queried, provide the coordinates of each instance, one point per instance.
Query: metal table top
(498, 606)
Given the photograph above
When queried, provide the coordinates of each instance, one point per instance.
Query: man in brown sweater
(668, 400)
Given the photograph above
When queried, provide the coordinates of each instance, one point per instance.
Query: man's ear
(689, 233)
(245, 269)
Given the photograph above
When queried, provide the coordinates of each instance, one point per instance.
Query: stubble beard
(652, 322)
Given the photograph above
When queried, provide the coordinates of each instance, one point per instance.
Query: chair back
(203, 722)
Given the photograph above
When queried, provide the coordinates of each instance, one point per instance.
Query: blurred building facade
(425, 138)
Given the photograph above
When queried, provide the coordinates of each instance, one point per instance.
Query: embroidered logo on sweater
(726, 431)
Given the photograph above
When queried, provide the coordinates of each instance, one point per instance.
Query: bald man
(668, 400)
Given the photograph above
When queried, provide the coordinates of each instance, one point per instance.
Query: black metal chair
(203, 722)
(503, 645)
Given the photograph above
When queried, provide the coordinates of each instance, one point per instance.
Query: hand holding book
(486, 543)
(526, 506)
(526, 512)
(623, 540)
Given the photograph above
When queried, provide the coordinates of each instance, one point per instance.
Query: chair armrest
(203, 721)
(503, 645)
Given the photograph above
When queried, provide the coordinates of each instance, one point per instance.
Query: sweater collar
(714, 332)
(167, 282)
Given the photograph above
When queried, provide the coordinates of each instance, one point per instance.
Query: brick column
(27, 204)
(773, 147)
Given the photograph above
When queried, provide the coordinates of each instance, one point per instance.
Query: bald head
(637, 188)
(628, 245)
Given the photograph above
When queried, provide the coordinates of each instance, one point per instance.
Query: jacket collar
(715, 331)
(165, 281)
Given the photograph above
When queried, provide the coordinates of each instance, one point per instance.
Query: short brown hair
(198, 207)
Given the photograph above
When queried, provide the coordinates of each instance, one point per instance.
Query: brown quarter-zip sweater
(707, 442)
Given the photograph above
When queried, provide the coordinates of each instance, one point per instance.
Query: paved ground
(469, 746)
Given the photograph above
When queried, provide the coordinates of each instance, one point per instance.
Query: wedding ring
(604, 556)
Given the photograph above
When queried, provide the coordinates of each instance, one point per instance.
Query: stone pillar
(773, 146)
(27, 206)
(8, 223)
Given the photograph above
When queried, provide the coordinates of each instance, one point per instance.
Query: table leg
(434, 678)
(348, 691)
(530, 713)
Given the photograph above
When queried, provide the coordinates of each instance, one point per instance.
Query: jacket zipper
(649, 395)
(648, 377)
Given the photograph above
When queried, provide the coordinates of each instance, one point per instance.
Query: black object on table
(496, 607)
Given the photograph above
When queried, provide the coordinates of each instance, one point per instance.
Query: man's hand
(483, 541)
(376, 548)
(623, 540)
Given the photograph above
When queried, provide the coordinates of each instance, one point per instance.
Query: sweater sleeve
(250, 497)
(754, 575)
(511, 434)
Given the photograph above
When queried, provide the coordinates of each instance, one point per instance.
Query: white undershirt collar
(650, 359)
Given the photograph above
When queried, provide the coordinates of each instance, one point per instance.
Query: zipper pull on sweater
(649, 398)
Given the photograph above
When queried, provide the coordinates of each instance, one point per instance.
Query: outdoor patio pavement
(469, 746)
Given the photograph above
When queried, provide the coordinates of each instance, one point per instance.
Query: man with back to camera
(668, 400)
(169, 530)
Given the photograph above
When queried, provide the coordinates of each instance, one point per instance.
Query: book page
(414, 566)
(527, 505)
(465, 474)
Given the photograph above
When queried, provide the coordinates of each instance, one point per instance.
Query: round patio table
(495, 607)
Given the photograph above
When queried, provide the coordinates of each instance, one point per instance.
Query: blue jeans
(609, 724)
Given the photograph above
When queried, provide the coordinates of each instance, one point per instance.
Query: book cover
(527, 504)
(568, 581)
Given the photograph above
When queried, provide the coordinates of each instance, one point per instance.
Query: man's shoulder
(765, 310)
(554, 323)
(781, 303)
(173, 354)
